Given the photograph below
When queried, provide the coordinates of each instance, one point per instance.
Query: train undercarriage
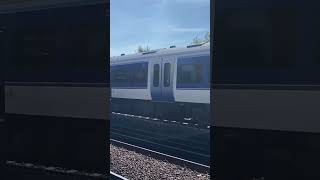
(193, 113)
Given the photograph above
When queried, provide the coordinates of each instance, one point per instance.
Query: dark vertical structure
(266, 89)
(2, 121)
(56, 83)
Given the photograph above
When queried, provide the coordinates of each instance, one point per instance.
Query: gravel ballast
(133, 165)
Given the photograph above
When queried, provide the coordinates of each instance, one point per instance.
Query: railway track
(183, 142)
(162, 156)
(114, 176)
(182, 151)
(190, 144)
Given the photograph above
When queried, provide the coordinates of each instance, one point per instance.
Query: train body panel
(193, 96)
(142, 94)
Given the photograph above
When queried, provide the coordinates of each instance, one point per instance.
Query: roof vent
(149, 52)
(195, 45)
(172, 46)
(123, 54)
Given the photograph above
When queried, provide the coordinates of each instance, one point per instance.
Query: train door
(156, 79)
(162, 79)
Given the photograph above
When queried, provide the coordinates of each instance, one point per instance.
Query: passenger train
(172, 84)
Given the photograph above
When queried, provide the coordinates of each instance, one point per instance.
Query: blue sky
(156, 23)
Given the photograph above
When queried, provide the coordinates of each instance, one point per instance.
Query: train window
(166, 78)
(189, 73)
(130, 75)
(156, 70)
(120, 75)
(193, 72)
(140, 74)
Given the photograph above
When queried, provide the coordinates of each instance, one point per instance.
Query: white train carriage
(163, 83)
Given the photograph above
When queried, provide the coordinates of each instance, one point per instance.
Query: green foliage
(206, 39)
(196, 40)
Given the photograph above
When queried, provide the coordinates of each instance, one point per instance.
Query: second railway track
(184, 142)
(162, 156)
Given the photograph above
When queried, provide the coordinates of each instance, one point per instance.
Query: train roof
(164, 51)
(13, 6)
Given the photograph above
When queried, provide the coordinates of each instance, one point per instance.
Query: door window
(167, 70)
(156, 70)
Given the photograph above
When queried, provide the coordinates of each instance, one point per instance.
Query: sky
(156, 23)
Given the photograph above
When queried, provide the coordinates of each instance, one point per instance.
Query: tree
(141, 49)
(196, 40)
(206, 39)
